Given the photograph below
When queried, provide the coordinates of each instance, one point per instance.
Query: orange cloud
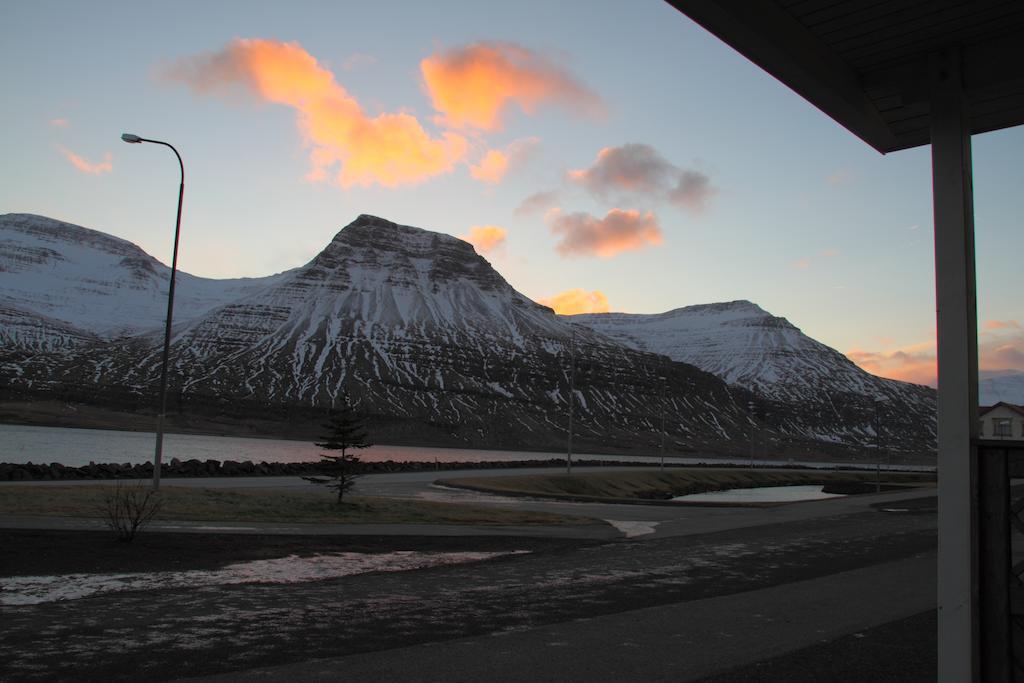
(915, 364)
(485, 237)
(802, 263)
(1002, 324)
(388, 149)
(998, 350)
(491, 168)
(472, 86)
(619, 231)
(60, 123)
(105, 166)
(576, 301)
(496, 163)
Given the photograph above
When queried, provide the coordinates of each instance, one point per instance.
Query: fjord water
(76, 447)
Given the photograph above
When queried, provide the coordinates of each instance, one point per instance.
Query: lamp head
(128, 137)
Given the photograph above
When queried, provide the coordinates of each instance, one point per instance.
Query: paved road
(677, 642)
(693, 592)
(675, 607)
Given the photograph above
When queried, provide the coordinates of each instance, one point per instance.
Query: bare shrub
(127, 509)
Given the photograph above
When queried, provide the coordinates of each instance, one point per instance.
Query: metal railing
(1000, 558)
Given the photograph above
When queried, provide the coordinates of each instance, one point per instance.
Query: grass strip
(648, 485)
(181, 503)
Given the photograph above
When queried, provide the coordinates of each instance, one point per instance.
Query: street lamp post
(158, 455)
(572, 397)
(664, 381)
(753, 430)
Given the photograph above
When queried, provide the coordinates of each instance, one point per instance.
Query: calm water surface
(73, 447)
(763, 494)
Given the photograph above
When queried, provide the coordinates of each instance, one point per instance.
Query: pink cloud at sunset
(485, 237)
(537, 203)
(1000, 348)
(620, 230)
(576, 301)
(85, 166)
(59, 123)
(497, 162)
(914, 364)
(473, 86)
(390, 149)
(636, 169)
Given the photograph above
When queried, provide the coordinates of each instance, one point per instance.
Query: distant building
(1002, 421)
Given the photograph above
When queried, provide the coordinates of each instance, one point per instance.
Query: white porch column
(956, 314)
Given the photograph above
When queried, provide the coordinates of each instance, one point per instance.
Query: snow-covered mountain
(62, 285)
(413, 325)
(1006, 386)
(820, 392)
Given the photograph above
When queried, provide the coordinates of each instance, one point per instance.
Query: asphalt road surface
(678, 594)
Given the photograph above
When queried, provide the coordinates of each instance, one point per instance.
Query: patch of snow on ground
(32, 590)
(631, 529)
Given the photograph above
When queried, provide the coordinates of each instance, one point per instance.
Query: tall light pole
(664, 383)
(753, 431)
(158, 455)
(879, 402)
(572, 397)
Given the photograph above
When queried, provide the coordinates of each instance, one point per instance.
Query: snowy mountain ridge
(421, 331)
(94, 284)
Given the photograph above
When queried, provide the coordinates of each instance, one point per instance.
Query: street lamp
(572, 397)
(158, 456)
(664, 382)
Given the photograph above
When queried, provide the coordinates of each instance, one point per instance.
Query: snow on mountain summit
(92, 283)
(749, 347)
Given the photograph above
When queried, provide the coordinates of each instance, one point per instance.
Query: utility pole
(753, 432)
(572, 397)
(664, 384)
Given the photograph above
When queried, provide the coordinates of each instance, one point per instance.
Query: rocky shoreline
(231, 468)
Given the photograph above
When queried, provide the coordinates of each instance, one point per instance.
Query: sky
(602, 155)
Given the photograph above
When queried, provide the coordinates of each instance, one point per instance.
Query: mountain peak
(380, 232)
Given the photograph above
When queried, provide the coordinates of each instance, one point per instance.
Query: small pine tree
(346, 432)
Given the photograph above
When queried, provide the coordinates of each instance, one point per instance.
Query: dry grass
(649, 484)
(266, 505)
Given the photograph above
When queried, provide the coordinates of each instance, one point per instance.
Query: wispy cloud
(1002, 325)
(485, 237)
(576, 301)
(620, 230)
(537, 203)
(60, 123)
(345, 143)
(840, 176)
(497, 162)
(639, 170)
(806, 262)
(358, 61)
(85, 166)
(473, 86)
